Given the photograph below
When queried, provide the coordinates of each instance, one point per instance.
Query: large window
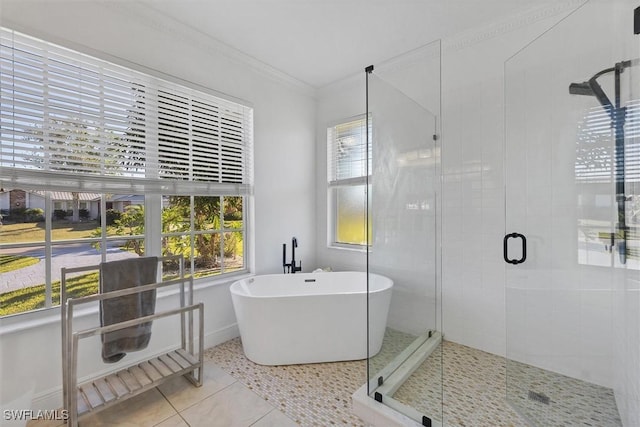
(348, 164)
(99, 162)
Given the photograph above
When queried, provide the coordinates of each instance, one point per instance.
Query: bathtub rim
(233, 288)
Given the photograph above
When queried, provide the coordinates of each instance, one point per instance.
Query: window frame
(151, 188)
(333, 184)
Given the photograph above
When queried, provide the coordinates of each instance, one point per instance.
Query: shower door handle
(505, 248)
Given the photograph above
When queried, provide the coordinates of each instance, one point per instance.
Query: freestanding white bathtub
(287, 319)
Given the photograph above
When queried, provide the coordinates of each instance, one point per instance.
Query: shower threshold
(379, 407)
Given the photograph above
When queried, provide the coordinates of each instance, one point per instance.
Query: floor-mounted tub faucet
(290, 267)
(294, 245)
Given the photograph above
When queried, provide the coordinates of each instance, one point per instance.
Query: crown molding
(514, 22)
(465, 39)
(152, 18)
(161, 22)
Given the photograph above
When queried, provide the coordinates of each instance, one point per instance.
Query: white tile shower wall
(403, 189)
(626, 298)
(627, 360)
(284, 123)
(474, 215)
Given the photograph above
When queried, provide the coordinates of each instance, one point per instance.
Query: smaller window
(348, 167)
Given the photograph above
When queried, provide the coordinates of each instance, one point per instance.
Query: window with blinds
(65, 113)
(348, 152)
(595, 150)
(348, 166)
(101, 162)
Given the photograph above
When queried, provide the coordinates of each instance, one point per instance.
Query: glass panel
(125, 226)
(350, 215)
(207, 254)
(171, 269)
(403, 335)
(176, 213)
(349, 150)
(233, 255)
(206, 213)
(176, 232)
(22, 277)
(233, 251)
(565, 191)
(74, 255)
(23, 215)
(233, 217)
(207, 249)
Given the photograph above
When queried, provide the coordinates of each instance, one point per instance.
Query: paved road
(72, 255)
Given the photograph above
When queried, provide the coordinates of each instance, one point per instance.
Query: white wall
(336, 102)
(284, 125)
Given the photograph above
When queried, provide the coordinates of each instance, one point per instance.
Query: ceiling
(321, 41)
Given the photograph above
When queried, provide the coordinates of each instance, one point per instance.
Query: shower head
(583, 88)
(591, 88)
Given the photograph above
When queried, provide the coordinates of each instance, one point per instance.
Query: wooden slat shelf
(113, 388)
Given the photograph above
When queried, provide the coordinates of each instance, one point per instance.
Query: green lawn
(34, 231)
(15, 262)
(32, 298)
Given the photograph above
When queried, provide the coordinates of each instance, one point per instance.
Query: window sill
(47, 316)
(348, 248)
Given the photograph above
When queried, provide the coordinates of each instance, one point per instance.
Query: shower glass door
(571, 239)
(403, 100)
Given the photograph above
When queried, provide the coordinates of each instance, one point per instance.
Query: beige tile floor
(237, 392)
(221, 401)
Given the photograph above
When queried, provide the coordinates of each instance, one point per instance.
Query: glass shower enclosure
(572, 220)
(403, 104)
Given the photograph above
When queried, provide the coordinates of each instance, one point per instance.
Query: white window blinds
(347, 153)
(595, 150)
(69, 120)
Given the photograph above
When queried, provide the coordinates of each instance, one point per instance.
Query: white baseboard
(212, 339)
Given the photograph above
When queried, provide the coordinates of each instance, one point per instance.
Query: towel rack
(100, 393)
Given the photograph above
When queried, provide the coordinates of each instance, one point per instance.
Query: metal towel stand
(100, 393)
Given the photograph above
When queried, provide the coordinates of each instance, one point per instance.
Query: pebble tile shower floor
(473, 390)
